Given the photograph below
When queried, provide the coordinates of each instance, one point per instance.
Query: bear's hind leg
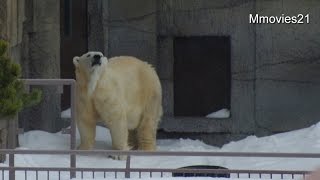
(147, 129)
(132, 139)
(146, 134)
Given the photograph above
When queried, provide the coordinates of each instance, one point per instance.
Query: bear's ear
(76, 61)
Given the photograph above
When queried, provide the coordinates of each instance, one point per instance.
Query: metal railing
(72, 84)
(73, 170)
(128, 170)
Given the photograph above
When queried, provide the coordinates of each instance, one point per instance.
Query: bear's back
(126, 62)
(134, 76)
(128, 68)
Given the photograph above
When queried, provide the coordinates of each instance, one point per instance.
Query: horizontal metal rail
(219, 171)
(127, 170)
(163, 153)
(53, 82)
(290, 174)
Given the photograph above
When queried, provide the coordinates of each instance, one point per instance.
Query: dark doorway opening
(74, 38)
(202, 75)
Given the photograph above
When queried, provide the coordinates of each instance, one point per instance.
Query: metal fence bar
(59, 82)
(127, 173)
(152, 170)
(163, 153)
(219, 171)
(54, 82)
(159, 170)
(12, 173)
(73, 129)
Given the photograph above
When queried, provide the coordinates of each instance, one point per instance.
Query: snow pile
(304, 141)
(223, 113)
(66, 113)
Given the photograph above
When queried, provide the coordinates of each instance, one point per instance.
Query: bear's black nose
(96, 56)
(96, 60)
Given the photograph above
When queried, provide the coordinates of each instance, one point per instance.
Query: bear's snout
(96, 60)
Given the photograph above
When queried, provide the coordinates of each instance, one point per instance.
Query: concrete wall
(11, 19)
(132, 29)
(96, 31)
(32, 29)
(275, 77)
(41, 59)
(211, 18)
(3, 18)
(287, 73)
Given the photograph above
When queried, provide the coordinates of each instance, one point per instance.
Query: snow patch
(222, 113)
(66, 113)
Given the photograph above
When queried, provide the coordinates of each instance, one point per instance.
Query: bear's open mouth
(96, 62)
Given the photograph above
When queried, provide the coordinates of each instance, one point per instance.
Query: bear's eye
(88, 55)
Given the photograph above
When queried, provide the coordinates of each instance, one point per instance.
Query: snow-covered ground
(304, 140)
(66, 113)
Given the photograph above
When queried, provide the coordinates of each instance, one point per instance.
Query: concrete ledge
(196, 125)
(216, 139)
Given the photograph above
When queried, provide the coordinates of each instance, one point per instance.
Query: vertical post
(12, 174)
(73, 130)
(127, 173)
(12, 135)
(12, 144)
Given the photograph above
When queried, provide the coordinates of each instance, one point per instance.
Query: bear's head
(88, 69)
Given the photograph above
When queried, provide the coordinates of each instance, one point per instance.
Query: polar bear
(124, 93)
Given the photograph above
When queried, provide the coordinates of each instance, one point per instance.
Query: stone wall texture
(33, 29)
(275, 77)
(275, 67)
(43, 58)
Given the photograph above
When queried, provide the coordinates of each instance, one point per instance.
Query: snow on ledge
(222, 113)
(66, 113)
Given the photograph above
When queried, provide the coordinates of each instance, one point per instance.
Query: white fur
(95, 76)
(125, 93)
(75, 61)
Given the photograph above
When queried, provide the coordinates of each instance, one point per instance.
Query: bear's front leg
(119, 135)
(87, 130)
(112, 113)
